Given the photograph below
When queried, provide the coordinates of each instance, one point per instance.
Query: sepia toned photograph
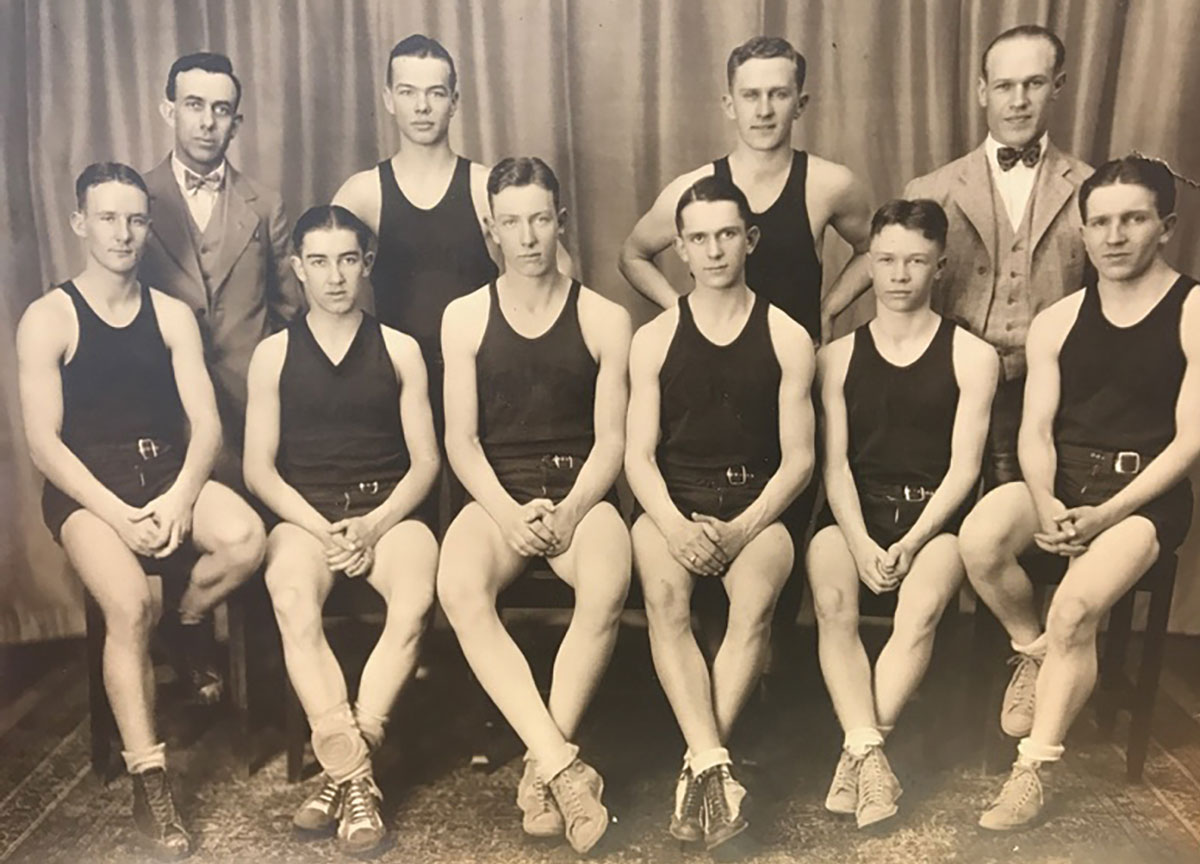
(646, 431)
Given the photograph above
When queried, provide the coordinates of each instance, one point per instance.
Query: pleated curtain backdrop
(619, 96)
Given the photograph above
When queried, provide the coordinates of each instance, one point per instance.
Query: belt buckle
(369, 487)
(915, 494)
(738, 477)
(147, 448)
(561, 462)
(1127, 462)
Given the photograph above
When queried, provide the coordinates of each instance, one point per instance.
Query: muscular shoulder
(650, 342)
(360, 195)
(793, 344)
(465, 318)
(402, 348)
(269, 354)
(47, 323)
(974, 359)
(834, 358)
(830, 178)
(171, 311)
(599, 315)
(1050, 326)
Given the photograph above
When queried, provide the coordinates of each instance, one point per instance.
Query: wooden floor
(52, 808)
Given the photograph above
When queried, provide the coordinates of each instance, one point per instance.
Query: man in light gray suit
(1014, 245)
(218, 239)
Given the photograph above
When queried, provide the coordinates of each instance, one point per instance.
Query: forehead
(1119, 198)
(420, 71)
(116, 197)
(523, 199)
(764, 72)
(210, 86)
(899, 238)
(330, 241)
(710, 215)
(1020, 57)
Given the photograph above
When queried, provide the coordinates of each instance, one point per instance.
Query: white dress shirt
(200, 202)
(1016, 184)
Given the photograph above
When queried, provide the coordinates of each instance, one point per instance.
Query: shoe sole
(849, 811)
(586, 847)
(711, 842)
(1005, 829)
(882, 817)
(543, 833)
(685, 834)
(1015, 731)
(315, 832)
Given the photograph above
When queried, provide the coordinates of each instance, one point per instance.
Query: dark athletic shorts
(337, 501)
(137, 473)
(551, 476)
(1088, 476)
(722, 493)
(889, 513)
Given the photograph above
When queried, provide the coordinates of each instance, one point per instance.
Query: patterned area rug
(52, 808)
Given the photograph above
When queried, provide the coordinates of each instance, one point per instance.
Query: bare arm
(361, 195)
(977, 369)
(840, 488)
(1035, 440)
(262, 442)
(653, 233)
(852, 220)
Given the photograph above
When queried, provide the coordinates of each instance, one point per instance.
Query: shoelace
(328, 794)
(691, 796)
(1025, 682)
(870, 780)
(357, 801)
(714, 793)
(1017, 776)
(158, 796)
(543, 795)
(574, 805)
(846, 769)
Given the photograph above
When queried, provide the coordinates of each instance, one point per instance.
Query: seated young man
(1111, 428)
(340, 446)
(121, 419)
(720, 443)
(906, 400)
(536, 393)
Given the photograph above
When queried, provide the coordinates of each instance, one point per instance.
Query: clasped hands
(706, 545)
(157, 529)
(539, 528)
(881, 570)
(1067, 531)
(350, 545)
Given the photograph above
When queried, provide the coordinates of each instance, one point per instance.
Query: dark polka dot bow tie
(1029, 155)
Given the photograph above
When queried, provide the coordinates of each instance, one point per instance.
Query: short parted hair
(922, 215)
(762, 48)
(420, 45)
(1027, 31)
(713, 188)
(1137, 171)
(106, 172)
(209, 61)
(327, 217)
(521, 171)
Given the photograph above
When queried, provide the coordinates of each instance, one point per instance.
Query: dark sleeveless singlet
(901, 418)
(1120, 385)
(427, 258)
(720, 403)
(784, 268)
(122, 416)
(536, 395)
(339, 424)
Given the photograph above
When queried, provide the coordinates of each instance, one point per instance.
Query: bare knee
(835, 607)
(1072, 621)
(242, 542)
(129, 618)
(296, 609)
(749, 619)
(668, 607)
(463, 596)
(987, 542)
(917, 621)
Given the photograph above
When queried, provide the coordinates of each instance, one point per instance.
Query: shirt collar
(180, 170)
(991, 145)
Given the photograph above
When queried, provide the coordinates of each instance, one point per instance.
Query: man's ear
(234, 126)
(388, 103)
(166, 109)
(680, 248)
(1169, 222)
(752, 238)
(77, 219)
(368, 262)
(727, 105)
(297, 268)
(801, 104)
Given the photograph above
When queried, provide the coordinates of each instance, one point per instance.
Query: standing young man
(906, 400)
(340, 445)
(218, 241)
(536, 392)
(720, 439)
(1111, 429)
(1013, 245)
(121, 419)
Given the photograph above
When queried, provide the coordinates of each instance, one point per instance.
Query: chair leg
(985, 688)
(239, 695)
(1112, 662)
(295, 732)
(102, 724)
(1148, 676)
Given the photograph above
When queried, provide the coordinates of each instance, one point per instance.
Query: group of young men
(484, 349)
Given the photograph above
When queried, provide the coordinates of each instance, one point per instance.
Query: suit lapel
(1052, 192)
(240, 224)
(168, 221)
(973, 195)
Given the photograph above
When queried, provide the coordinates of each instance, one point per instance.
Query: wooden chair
(1115, 690)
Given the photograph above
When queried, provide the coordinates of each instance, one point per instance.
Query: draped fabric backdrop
(619, 97)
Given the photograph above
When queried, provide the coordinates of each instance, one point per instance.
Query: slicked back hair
(922, 215)
(327, 217)
(420, 45)
(1137, 171)
(762, 48)
(712, 188)
(106, 172)
(1026, 31)
(522, 171)
(209, 61)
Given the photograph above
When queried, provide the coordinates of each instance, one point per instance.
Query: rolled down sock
(1036, 648)
(371, 726)
(548, 769)
(339, 746)
(1030, 752)
(137, 761)
(707, 759)
(859, 741)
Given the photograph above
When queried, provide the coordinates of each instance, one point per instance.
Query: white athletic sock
(1036, 648)
(547, 771)
(706, 759)
(137, 761)
(859, 741)
(1033, 753)
(371, 725)
(885, 731)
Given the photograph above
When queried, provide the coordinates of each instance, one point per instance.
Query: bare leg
(597, 565)
(404, 574)
(230, 537)
(931, 583)
(476, 564)
(753, 582)
(112, 575)
(1096, 580)
(667, 588)
(844, 663)
(999, 529)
